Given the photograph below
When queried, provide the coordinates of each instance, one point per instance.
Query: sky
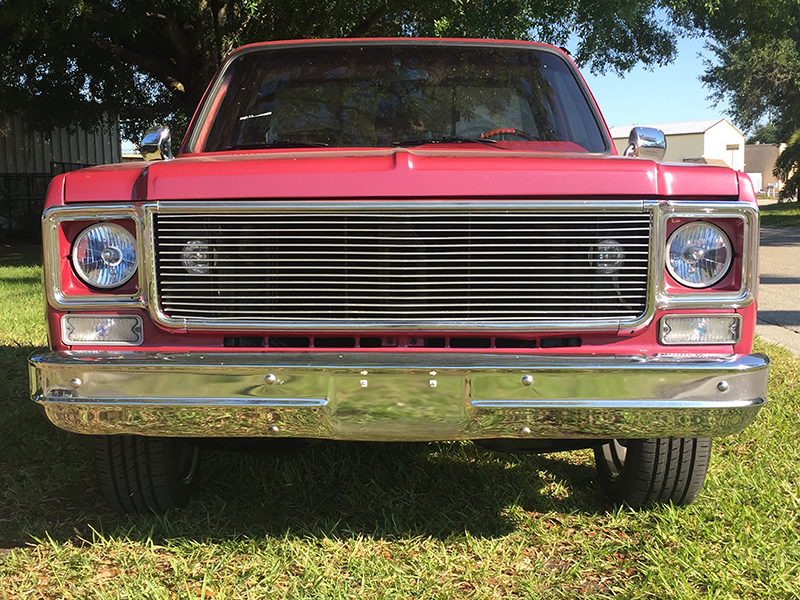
(665, 95)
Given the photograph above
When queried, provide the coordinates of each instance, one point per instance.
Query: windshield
(384, 95)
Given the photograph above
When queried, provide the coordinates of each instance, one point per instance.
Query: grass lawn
(785, 214)
(356, 520)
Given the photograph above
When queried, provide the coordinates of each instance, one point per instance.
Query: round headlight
(698, 254)
(104, 255)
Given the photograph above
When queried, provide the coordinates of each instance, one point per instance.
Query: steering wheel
(508, 131)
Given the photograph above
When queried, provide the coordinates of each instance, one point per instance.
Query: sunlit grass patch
(784, 214)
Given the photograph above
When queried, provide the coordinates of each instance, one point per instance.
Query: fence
(22, 200)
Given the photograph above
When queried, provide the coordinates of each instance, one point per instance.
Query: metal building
(30, 159)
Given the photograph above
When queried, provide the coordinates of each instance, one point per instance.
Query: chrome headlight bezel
(721, 237)
(111, 258)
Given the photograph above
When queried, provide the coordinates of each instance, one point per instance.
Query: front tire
(643, 473)
(139, 474)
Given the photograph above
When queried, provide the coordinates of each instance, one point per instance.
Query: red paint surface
(642, 342)
(397, 173)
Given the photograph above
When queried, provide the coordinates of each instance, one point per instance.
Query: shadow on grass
(21, 282)
(336, 489)
(20, 254)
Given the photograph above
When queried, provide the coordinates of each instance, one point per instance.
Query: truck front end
(402, 240)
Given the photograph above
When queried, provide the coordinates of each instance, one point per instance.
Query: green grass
(348, 520)
(21, 302)
(785, 214)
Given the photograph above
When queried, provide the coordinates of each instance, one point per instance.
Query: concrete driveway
(779, 294)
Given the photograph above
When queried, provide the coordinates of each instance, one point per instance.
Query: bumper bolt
(274, 429)
(76, 382)
(525, 431)
(527, 380)
(270, 379)
(723, 386)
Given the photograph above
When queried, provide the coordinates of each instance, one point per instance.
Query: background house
(29, 160)
(714, 141)
(759, 160)
(130, 153)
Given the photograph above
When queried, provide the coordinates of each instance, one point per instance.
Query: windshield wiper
(448, 139)
(279, 144)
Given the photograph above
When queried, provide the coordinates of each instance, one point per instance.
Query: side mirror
(156, 144)
(646, 142)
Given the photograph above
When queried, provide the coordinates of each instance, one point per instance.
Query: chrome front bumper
(393, 396)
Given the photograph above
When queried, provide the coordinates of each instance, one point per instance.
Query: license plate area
(396, 404)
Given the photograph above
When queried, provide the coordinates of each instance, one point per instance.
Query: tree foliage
(757, 69)
(787, 167)
(760, 79)
(74, 62)
(763, 134)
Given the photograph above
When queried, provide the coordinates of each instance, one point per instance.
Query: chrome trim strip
(417, 206)
(387, 396)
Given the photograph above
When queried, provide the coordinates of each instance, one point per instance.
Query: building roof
(706, 161)
(681, 128)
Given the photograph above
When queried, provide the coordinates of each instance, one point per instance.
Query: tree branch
(146, 65)
(174, 34)
(371, 21)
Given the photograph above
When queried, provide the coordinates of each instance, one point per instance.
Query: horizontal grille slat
(396, 222)
(474, 300)
(408, 266)
(180, 293)
(408, 257)
(365, 313)
(382, 266)
(394, 311)
(389, 250)
(401, 238)
(485, 278)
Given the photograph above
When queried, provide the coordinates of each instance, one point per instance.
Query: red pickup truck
(408, 240)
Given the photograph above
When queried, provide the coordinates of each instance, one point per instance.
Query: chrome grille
(413, 266)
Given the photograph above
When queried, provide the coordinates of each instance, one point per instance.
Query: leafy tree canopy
(764, 134)
(760, 77)
(757, 69)
(72, 62)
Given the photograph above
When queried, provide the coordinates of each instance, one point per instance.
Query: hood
(397, 173)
